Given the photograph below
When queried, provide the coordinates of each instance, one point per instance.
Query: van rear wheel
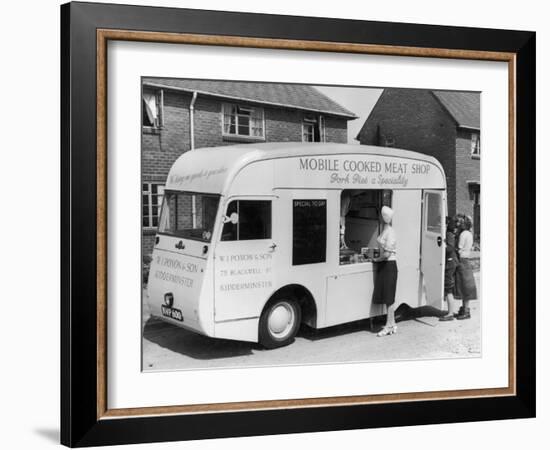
(279, 323)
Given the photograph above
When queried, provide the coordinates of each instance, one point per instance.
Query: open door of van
(432, 263)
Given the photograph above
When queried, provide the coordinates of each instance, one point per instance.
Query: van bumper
(189, 323)
(238, 330)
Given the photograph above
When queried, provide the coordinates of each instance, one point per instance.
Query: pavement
(420, 336)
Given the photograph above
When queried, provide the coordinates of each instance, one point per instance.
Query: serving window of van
(247, 220)
(360, 223)
(189, 215)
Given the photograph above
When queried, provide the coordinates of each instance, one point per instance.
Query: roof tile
(298, 96)
(462, 106)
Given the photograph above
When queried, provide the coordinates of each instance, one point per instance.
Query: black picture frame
(81, 425)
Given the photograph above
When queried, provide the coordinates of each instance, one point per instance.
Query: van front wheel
(279, 323)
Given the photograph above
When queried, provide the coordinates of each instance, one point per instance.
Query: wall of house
(467, 169)
(336, 130)
(160, 148)
(415, 120)
(283, 125)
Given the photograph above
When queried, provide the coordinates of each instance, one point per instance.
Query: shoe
(460, 312)
(464, 315)
(447, 318)
(386, 331)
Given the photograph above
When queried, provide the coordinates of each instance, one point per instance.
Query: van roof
(211, 169)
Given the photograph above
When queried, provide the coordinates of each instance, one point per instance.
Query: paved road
(420, 335)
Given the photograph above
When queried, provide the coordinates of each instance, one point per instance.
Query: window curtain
(164, 223)
(229, 112)
(345, 206)
(257, 121)
(151, 109)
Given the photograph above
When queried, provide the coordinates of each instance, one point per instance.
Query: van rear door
(180, 255)
(433, 246)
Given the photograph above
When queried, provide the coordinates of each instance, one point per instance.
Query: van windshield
(189, 215)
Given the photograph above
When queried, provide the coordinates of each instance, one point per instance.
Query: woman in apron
(386, 272)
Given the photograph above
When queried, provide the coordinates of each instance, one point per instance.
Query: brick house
(442, 124)
(182, 115)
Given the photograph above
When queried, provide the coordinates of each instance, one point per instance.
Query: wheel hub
(280, 320)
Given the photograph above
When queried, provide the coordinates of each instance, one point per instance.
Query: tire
(279, 323)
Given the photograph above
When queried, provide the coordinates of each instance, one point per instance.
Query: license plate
(173, 313)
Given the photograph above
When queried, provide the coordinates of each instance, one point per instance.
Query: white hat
(387, 214)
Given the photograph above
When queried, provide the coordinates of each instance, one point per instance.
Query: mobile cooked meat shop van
(254, 240)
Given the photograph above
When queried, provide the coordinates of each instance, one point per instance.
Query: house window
(313, 129)
(152, 104)
(389, 141)
(475, 145)
(243, 121)
(475, 196)
(152, 194)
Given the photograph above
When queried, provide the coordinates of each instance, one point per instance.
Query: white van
(254, 240)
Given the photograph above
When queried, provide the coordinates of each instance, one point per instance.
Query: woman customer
(451, 261)
(386, 272)
(465, 286)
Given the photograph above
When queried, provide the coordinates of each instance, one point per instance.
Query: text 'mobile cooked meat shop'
(365, 171)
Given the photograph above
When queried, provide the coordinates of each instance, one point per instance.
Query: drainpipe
(192, 135)
(191, 120)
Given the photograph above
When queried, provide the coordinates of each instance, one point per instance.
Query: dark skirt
(385, 282)
(450, 271)
(465, 284)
